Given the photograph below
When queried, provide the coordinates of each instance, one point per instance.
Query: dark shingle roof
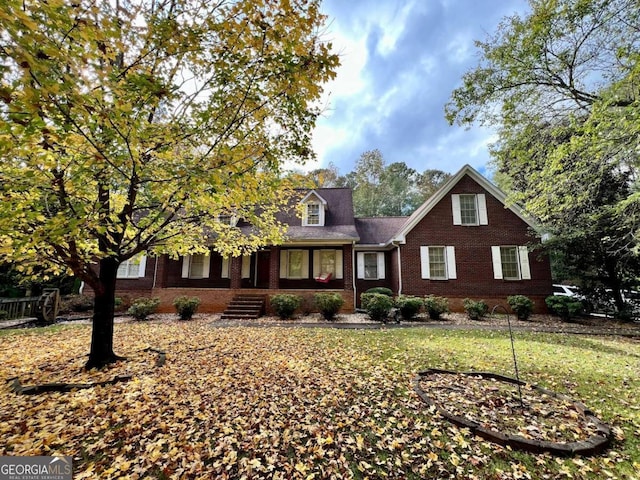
(339, 224)
(339, 207)
(378, 230)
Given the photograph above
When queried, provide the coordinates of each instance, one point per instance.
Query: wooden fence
(18, 307)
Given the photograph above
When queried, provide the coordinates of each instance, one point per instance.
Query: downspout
(399, 269)
(353, 273)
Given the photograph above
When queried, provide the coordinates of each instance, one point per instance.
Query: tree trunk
(102, 333)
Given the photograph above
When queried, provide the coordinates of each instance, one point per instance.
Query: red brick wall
(216, 293)
(216, 300)
(390, 281)
(473, 254)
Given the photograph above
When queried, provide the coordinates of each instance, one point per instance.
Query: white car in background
(567, 291)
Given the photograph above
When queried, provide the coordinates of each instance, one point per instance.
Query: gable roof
(427, 206)
(339, 223)
(378, 231)
(313, 193)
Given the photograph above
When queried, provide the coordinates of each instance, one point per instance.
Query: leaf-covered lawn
(299, 403)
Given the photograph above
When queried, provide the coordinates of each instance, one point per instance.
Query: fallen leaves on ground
(503, 407)
(237, 403)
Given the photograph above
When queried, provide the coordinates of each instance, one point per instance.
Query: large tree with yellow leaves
(130, 126)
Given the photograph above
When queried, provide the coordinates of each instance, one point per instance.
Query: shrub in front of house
(521, 305)
(381, 290)
(186, 307)
(408, 306)
(377, 305)
(476, 309)
(328, 304)
(285, 304)
(142, 307)
(564, 307)
(436, 306)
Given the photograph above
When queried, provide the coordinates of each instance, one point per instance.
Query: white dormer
(231, 220)
(314, 207)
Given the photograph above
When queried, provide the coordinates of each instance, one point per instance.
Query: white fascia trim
(427, 206)
(315, 194)
(324, 243)
(374, 247)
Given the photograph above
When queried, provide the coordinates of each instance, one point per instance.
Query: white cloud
(400, 60)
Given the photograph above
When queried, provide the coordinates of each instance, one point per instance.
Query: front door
(263, 261)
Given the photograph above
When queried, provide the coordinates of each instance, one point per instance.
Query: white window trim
(140, 260)
(305, 214)
(284, 264)
(186, 267)
(246, 266)
(233, 220)
(226, 268)
(481, 210)
(381, 265)
(451, 272)
(339, 273)
(524, 268)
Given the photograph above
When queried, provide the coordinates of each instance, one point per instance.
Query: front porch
(217, 300)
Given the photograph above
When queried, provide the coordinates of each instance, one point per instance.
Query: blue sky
(401, 59)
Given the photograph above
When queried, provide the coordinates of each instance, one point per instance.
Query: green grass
(299, 402)
(601, 372)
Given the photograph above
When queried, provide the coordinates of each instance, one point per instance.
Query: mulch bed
(508, 412)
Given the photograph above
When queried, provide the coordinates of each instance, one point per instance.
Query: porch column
(235, 272)
(274, 268)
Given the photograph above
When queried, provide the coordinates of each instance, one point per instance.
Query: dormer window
(228, 219)
(313, 214)
(313, 210)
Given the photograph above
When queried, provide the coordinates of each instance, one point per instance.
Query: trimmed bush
(328, 304)
(186, 307)
(4, 315)
(141, 308)
(521, 305)
(564, 307)
(409, 306)
(377, 305)
(436, 306)
(285, 304)
(381, 290)
(475, 309)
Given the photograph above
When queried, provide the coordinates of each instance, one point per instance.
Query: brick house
(462, 242)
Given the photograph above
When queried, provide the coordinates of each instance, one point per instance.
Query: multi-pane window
(196, 266)
(295, 267)
(468, 210)
(510, 263)
(131, 268)
(437, 263)
(313, 214)
(328, 261)
(371, 265)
